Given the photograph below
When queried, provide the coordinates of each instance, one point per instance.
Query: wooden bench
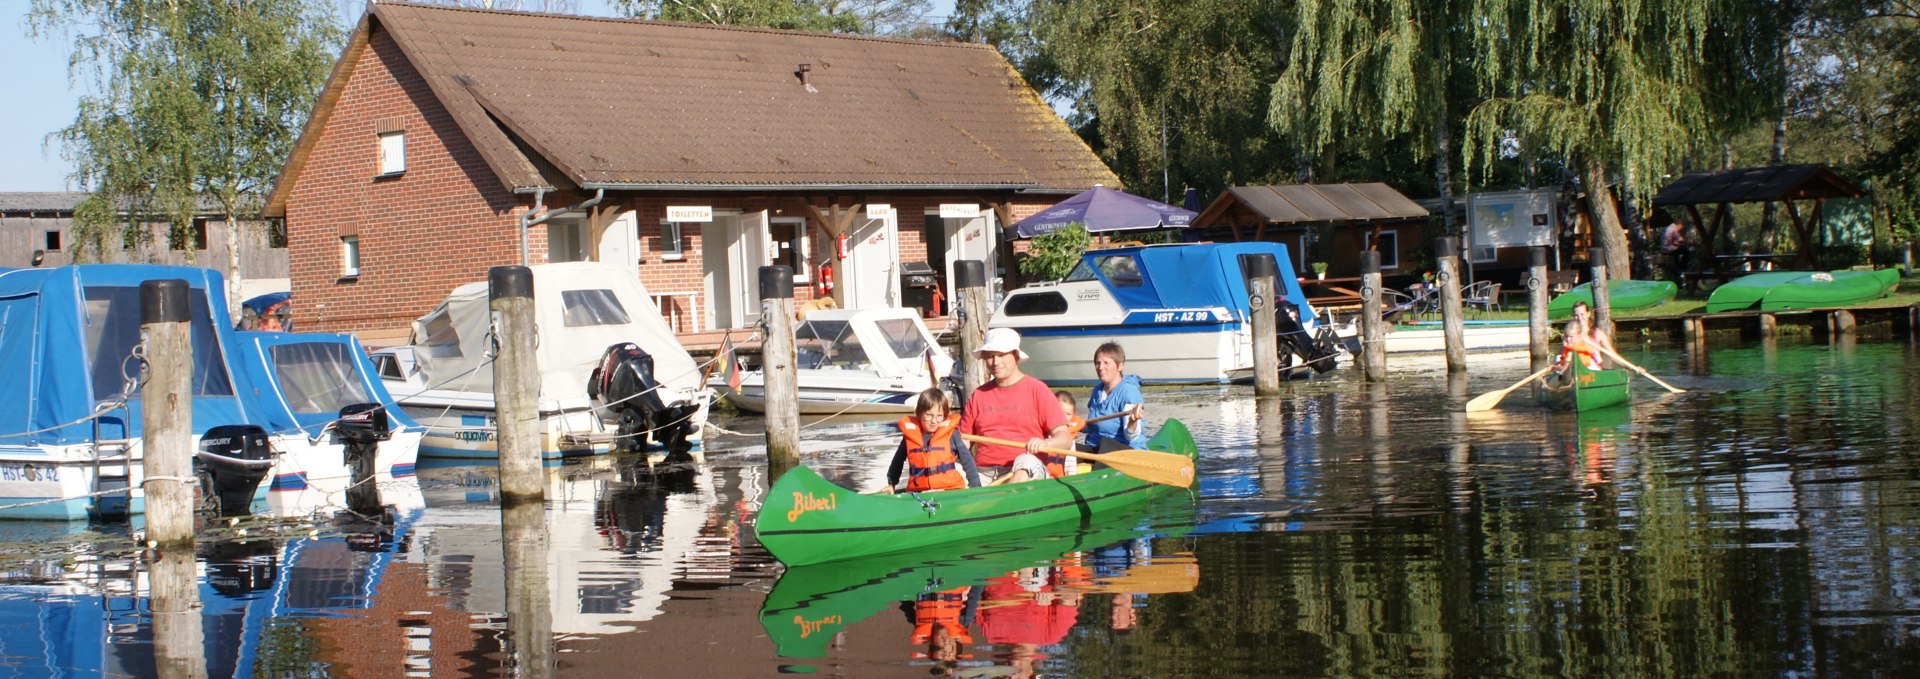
(1562, 280)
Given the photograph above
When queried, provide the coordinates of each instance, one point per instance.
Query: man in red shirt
(1012, 406)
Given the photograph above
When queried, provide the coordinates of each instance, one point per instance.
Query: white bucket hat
(1000, 340)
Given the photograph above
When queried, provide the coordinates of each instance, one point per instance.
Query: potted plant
(1320, 270)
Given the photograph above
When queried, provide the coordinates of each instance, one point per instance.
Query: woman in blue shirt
(1117, 392)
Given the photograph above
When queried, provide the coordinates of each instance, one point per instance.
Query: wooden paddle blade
(1617, 358)
(1151, 466)
(1490, 399)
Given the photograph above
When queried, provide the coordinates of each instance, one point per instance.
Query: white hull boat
(854, 361)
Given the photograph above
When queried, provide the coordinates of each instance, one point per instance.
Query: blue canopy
(1101, 209)
(66, 333)
(1188, 276)
(259, 304)
(305, 378)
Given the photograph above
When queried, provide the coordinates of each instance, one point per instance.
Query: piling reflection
(524, 551)
(177, 632)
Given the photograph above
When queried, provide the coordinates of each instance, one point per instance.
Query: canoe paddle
(1151, 466)
(1643, 371)
(1123, 413)
(1490, 399)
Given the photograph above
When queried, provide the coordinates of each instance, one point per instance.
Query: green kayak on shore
(807, 519)
(1629, 295)
(1580, 389)
(1781, 290)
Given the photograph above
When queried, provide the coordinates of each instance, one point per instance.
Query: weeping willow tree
(1614, 87)
(1369, 71)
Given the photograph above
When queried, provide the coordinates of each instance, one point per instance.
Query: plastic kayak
(807, 519)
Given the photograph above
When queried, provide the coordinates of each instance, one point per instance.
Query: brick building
(449, 140)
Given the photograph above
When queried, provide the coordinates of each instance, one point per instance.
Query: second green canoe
(807, 519)
(1630, 295)
(1779, 290)
(1581, 389)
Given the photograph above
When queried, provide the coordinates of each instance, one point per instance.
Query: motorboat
(71, 406)
(324, 389)
(1430, 336)
(853, 361)
(1180, 311)
(593, 319)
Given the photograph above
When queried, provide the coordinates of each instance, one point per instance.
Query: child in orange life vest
(1582, 339)
(1056, 466)
(931, 451)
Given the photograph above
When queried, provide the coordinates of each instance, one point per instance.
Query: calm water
(1766, 523)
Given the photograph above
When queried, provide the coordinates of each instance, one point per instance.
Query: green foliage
(827, 16)
(1052, 254)
(194, 100)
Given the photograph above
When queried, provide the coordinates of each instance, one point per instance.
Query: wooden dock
(1885, 321)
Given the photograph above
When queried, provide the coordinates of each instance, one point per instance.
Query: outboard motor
(1316, 350)
(624, 384)
(231, 462)
(360, 429)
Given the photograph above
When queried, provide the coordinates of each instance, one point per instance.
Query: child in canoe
(931, 452)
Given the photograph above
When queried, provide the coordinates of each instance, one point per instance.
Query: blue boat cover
(1189, 276)
(305, 378)
(66, 333)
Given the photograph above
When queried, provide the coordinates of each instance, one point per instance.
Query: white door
(873, 255)
(972, 238)
(620, 244)
(733, 248)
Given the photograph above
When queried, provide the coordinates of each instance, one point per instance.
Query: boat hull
(1839, 288)
(1580, 389)
(465, 431)
(821, 393)
(1622, 295)
(1206, 353)
(1744, 293)
(807, 519)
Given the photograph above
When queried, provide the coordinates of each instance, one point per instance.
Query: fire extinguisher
(823, 285)
(840, 245)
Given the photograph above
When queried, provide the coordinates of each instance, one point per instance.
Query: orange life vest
(1581, 349)
(931, 461)
(1057, 466)
(942, 609)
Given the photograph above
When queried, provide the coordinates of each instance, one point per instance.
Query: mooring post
(516, 385)
(1843, 322)
(524, 553)
(1260, 273)
(1767, 325)
(970, 277)
(778, 369)
(179, 648)
(1447, 251)
(1373, 336)
(1537, 325)
(1602, 315)
(166, 415)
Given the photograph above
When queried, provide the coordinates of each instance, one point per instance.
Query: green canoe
(1779, 290)
(810, 604)
(1821, 289)
(807, 519)
(1581, 389)
(1627, 295)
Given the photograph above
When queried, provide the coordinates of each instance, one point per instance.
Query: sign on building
(1509, 219)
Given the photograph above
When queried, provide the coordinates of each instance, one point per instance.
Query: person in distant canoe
(1116, 392)
(1012, 406)
(1582, 339)
(931, 452)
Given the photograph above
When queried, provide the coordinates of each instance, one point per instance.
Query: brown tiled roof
(615, 103)
(1758, 184)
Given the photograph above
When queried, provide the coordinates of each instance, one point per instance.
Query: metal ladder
(112, 470)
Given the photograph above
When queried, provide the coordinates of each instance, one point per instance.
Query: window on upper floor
(393, 154)
(349, 256)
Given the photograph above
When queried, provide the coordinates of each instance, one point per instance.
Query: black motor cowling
(1316, 350)
(361, 427)
(624, 383)
(364, 422)
(231, 462)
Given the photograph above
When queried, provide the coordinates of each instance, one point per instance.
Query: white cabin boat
(1426, 336)
(1180, 311)
(854, 361)
(444, 378)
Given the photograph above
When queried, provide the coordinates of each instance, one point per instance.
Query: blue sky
(43, 101)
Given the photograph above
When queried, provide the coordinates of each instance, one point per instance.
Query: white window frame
(1389, 256)
(350, 256)
(393, 153)
(671, 242)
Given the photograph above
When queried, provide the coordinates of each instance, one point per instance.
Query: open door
(873, 254)
(732, 252)
(972, 238)
(620, 243)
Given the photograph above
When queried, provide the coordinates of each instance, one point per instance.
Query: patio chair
(1482, 295)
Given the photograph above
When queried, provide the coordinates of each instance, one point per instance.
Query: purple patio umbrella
(1101, 209)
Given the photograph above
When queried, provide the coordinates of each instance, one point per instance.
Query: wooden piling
(166, 415)
(1373, 336)
(1842, 322)
(1602, 313)
(970, 277)
(1447, 253)
(1768, 323)
(1538, 329)
(516, 385)
(1260, 273)
(778, 369)
(524, 553)
(179, 650)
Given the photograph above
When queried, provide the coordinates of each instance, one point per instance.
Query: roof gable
(614, 103)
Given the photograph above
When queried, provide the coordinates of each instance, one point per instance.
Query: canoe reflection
(1020, 593)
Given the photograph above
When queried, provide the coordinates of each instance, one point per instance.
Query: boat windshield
(1120, 270)
(829, 345)
(904, 337)
(113, 328)
(318, 377)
